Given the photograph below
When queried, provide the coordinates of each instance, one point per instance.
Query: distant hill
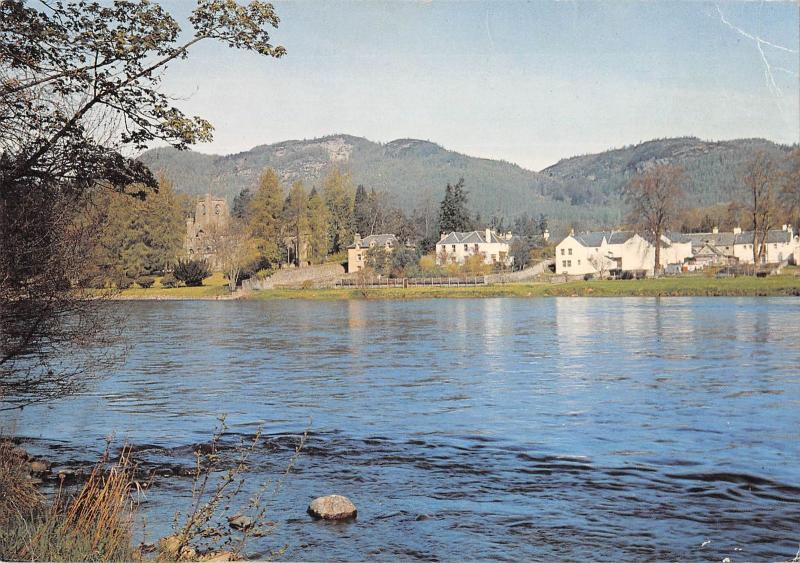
(714, 168)
(581, 191)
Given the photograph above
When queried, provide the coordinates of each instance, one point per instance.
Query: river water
(554, 428)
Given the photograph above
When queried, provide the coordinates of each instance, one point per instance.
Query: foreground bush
(94, 525)
(192, 272)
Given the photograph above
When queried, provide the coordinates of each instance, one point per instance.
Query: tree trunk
(657, 265)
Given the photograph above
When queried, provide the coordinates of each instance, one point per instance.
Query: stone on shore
(332, 507)
(218, 556)
(240, 522)
(170, 546)
(38, 466)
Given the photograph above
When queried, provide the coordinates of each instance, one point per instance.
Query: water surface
(487, 428)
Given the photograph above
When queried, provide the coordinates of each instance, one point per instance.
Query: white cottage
(737, 246)
(455, 247)
(604, 253)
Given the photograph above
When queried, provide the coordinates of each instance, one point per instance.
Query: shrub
(168, 281)
(192, 272)
(123, 282)
(145, 281)
(94, 525)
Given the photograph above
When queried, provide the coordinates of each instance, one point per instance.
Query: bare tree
(235, 250)
(655, 198)
(790, 192)
(79, 89)
(761, 179)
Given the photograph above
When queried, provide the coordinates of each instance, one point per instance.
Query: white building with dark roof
(455, 247)
(604, 253)
(737, 245)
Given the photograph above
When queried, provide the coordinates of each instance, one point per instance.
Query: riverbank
(689, 286)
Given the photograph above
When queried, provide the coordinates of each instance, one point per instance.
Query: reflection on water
(490, 428)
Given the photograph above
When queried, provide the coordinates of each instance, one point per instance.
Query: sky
(527, 82)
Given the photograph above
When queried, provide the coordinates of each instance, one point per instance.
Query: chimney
(737, 230)
(442, 235)
(509, 236)
(715, 230)
(784, 227)
(572, 232)
(546, 235)
(488, 234)
(356, 239)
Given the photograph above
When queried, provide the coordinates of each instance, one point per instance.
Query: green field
(213, 287)
(216, 287)
(663, 287)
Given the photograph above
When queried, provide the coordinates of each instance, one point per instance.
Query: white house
(604, 253)
(456, 247)
(737, 246)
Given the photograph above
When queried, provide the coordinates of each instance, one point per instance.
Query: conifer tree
(266, 217)
(338, 189)
(296, 215)
(318, 219)
(453, 212)
(361, 212)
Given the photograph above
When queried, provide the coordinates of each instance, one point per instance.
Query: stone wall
(522, 275)
(323, 275)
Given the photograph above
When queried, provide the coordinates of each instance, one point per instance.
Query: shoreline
(776, 286)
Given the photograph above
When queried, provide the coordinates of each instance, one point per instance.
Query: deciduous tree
(319, 225)
(655, 197)
(296, 215)
(761, 179)
(79, 86)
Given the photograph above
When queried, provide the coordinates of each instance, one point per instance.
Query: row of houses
(452, 248)
(613, 253)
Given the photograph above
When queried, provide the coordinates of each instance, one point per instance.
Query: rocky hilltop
(582, 190)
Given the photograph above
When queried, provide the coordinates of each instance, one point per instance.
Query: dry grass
(93, 525)
(18, 491)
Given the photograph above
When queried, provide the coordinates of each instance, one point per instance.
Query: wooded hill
(582, 191)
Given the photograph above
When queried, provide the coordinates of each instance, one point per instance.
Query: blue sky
(528, 82)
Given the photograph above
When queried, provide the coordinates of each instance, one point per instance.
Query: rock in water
(332, 507)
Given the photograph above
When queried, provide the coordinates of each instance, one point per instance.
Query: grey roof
(471, 237)
(378, 240)
(595, 238)
(730, 239)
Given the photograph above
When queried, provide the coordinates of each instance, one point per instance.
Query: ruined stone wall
(323, 275)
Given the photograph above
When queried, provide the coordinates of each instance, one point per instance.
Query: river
(584, 428)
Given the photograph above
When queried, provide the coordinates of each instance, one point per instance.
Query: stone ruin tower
(211, 217)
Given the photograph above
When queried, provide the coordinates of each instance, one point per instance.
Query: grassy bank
(664, 287)
(213, 287)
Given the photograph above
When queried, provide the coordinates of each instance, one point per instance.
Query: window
(476, 248)
(466, 247)
(569, 263)
(564, 263)
(569, 251)
(579, 262)
(454, 248)
(562, 252)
